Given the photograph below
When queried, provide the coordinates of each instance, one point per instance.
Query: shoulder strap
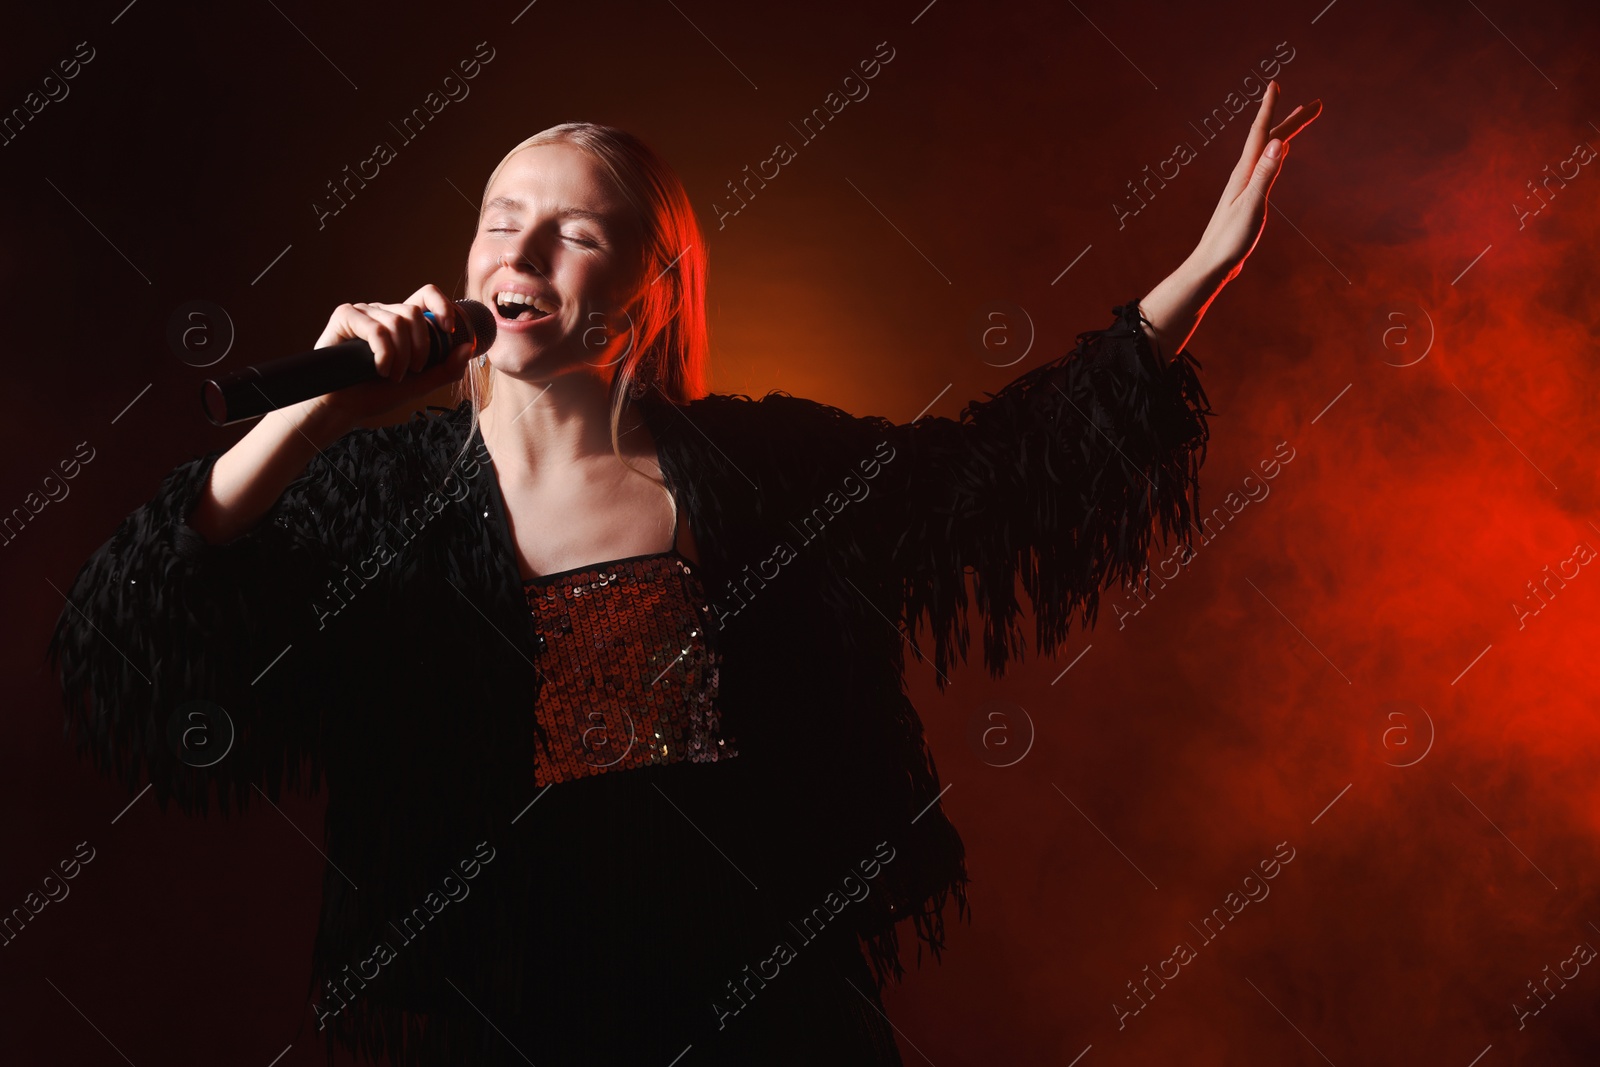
(676, 518)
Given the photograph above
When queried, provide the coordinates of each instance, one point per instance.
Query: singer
(619, 760)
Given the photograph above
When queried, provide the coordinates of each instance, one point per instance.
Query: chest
(590, 514)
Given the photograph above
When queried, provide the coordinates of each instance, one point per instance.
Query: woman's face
(557, 257)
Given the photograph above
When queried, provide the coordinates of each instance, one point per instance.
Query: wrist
(319, 421)
(1206, 275)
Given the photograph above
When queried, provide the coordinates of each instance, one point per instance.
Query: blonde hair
(669, 343)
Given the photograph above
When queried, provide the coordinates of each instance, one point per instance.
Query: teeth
(509, 297)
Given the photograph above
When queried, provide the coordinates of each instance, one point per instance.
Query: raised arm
(1054, 484)
(1176, 306)
(1057, 484)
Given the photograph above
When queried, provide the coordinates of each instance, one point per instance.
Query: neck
(536, 428)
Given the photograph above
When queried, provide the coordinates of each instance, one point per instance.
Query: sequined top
(629, 678)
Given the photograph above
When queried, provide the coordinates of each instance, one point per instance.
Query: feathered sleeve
(192, 665)
(1055, 485)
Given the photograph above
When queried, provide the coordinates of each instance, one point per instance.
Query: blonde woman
(605, 674)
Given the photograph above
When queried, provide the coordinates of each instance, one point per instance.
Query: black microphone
(264, 387)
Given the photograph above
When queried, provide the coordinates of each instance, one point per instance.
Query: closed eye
(585, 242)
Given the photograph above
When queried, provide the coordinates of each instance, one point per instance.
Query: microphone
(263, 387)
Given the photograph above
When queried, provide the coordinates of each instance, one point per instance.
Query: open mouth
(514, 307)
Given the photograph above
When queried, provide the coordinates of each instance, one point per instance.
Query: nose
(518, 262)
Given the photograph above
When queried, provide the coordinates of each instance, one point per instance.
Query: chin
(535, 366)
(526, 368)
(513, 354)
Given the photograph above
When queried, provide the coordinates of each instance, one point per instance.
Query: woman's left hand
(1237, 222)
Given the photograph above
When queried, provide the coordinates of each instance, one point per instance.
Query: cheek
(587, 281)
(481, 260)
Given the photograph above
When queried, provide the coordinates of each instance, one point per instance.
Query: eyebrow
(513, 204)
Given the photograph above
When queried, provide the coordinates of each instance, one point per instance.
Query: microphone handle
(253, 391)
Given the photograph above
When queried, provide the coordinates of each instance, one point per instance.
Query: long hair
(669, 343)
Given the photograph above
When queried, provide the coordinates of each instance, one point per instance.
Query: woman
(605, 674)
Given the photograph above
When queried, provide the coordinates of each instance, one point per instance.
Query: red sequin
(629, 678)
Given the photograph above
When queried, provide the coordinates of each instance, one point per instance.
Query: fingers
(431, 298)
(1254, 142)
(379, 335)
(1267, 169)
(1258, 129)
(1255, 170)
(445, 312)
(399, 338)
(1297, 120)
(421, 333)
(448, 371)
(399, 335)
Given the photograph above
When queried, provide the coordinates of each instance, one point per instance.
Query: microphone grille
(480, 320)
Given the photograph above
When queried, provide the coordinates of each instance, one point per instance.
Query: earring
(644, 376)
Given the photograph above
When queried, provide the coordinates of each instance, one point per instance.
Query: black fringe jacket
(372, 630)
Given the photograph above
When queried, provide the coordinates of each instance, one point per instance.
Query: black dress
(651, 943)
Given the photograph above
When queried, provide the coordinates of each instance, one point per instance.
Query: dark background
(1428, 360)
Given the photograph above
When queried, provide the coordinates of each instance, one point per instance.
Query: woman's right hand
(249, 477)
(398, 335)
